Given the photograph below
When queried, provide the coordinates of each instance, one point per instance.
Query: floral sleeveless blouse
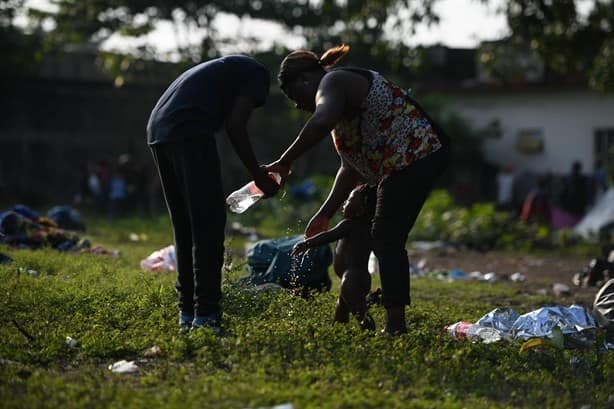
(388, 135)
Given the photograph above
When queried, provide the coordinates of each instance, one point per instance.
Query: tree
(17, 48)
(362, 23)
(570, 43)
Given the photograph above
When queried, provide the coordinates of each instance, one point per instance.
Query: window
(530, 141)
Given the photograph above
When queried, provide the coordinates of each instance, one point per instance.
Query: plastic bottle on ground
(241, 199)
(473, 332)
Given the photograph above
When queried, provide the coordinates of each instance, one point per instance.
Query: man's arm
(236, 128)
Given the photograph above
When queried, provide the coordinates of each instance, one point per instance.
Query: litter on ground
(123, 366)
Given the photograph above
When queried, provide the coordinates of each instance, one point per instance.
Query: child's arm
(339, 231)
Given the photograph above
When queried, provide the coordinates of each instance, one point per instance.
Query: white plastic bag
(161, 260)
(123, 366)
(600, 215)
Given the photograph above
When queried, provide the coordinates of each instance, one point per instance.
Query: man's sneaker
(367, 323)
(213, 321)
(185, 323)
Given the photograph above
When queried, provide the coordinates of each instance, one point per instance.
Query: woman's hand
(317, 224)
(281, 168)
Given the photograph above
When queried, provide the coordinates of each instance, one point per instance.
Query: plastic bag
(161, 260)
(599, 216)
(123, 366)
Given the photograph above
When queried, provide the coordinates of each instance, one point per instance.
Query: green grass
(277, 348)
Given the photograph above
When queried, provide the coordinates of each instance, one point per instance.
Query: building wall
(566, 120)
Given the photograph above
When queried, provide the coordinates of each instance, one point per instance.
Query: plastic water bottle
(473, 332)
(241, 199)
(373, 265)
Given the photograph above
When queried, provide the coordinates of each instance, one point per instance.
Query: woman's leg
(400, 198)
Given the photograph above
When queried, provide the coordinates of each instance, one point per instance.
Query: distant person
(521, 187)
(505, 188)
(102, 169)
(136, 182)
(118, 194)
(126, 167)
(219, 93)
(537, 207)
(83, 196)
(94, 187)
(599, 180)
(384, 138)
(576, 192)
(351, 257)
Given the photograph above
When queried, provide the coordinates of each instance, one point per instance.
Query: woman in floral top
(384, 138)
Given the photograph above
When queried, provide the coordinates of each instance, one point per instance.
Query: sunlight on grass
(276, 348)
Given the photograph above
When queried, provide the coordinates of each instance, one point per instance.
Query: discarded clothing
(23, 232)
(66, 218)
(22, 228)
(269, 261)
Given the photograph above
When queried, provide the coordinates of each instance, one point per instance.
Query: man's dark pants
(191, 180)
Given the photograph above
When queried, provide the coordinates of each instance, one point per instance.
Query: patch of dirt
(541, 272)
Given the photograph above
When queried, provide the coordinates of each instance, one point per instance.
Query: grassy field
(276, 348)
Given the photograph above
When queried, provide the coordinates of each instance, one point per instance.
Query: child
(351, 255)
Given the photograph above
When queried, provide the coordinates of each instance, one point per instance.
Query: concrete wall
(567, 121)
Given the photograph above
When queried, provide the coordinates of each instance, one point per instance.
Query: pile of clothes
(24, 228)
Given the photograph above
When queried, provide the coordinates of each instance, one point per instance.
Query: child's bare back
(353, 249)
(353, 235)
